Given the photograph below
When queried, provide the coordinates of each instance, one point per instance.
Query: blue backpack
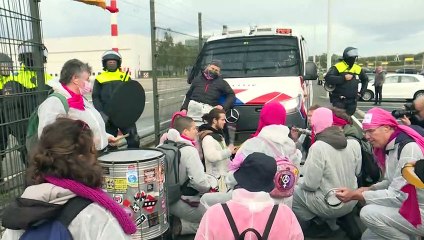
(57, 229)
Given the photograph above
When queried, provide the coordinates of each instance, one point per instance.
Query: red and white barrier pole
(113, 9)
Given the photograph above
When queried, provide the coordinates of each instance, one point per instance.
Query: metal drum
(135, 179)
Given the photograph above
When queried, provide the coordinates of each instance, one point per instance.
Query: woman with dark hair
(216, 154)
(64, 166)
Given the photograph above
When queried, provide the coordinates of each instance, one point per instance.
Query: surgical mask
(87, 88)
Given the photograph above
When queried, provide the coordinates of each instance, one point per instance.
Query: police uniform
(345, 94)
(104, 87)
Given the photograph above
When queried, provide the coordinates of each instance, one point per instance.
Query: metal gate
(22, 88)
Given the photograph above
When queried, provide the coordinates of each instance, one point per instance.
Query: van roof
(256, 31)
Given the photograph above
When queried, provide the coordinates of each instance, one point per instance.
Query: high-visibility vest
(27, 78)
(106, 76)
(343, 67)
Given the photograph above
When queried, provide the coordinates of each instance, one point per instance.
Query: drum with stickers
(135, 179)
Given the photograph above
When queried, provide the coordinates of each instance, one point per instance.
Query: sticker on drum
(149, 203)
(332, 200)
(150, 187)
(132, 176)
(140, 220)
(119, 198)
(213, 181)
(149, 175)
(121, 185)
(153, 219)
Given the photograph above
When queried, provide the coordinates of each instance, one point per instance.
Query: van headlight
(291, 105)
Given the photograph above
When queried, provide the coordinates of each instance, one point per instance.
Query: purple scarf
(98, 196)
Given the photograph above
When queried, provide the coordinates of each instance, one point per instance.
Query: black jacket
(348, 89)
(210, 92)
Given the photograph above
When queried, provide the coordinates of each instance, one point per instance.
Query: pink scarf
(76, 100)
(96, 195)
(377, 117)
(272, 113)
(187, 138)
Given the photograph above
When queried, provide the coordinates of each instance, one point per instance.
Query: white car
(398, 86)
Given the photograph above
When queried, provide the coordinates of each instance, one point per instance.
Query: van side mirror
(311, 72)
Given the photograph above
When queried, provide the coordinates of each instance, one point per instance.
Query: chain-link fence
(21, 86)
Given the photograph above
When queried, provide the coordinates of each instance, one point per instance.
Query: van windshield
(261, 56)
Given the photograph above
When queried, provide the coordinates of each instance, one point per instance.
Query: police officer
(19, 90)
(104, 87)
(344, 76)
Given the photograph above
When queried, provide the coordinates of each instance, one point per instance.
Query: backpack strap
(402, 144)
(62, 99)
(270, 222)
(268, 225)
(71, 209)
(277, 153)
(231, 220)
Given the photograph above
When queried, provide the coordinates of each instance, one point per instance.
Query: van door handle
(258, 109)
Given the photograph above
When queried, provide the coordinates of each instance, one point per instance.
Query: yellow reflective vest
(27, 78)
(343, 67)
(106, 76)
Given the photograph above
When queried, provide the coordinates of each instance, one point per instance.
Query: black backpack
(370, 171)
(172, 153)
(238, 236)
(405, 139)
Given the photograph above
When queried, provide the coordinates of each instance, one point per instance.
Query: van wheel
(418, 94)
(368, 95)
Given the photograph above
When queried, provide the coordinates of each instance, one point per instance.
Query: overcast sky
(377, 27)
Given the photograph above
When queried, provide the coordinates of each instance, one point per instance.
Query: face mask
(87, 88)
(213, 74)
(350, 61)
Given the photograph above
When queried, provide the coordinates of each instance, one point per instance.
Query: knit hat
(216, 62)
(256, 173)
(272, 113)
(321, 119)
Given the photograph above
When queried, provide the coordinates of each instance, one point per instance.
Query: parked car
(398, 86)
(407, 70)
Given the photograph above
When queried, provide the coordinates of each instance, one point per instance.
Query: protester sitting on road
(332, 162)
(215, 152)
(304, 140)
(345, 122)
(251, 207)
(73, 84)
(176, 115)
(394, 209)
(64, 166)
(205, 93)
(187, 211)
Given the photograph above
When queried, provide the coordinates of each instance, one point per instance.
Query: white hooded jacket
(94, 222)
(52, 108)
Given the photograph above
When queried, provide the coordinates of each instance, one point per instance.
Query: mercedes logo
(232, 115)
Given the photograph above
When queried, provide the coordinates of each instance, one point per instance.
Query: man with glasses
(205, 93)
(344, 76)
(394, 208)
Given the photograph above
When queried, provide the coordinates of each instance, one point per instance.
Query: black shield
(127, 104)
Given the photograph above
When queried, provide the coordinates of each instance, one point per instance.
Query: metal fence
(21, 86)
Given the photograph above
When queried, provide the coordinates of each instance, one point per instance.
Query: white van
(262, 65)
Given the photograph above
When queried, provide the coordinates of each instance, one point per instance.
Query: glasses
(370, 131)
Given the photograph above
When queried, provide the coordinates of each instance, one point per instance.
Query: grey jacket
(379, 79)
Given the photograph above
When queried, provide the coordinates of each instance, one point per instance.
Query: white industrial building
(134, 49)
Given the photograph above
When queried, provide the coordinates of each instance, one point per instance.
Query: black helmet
(350, 52)
(111, 55)
(25, 51)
